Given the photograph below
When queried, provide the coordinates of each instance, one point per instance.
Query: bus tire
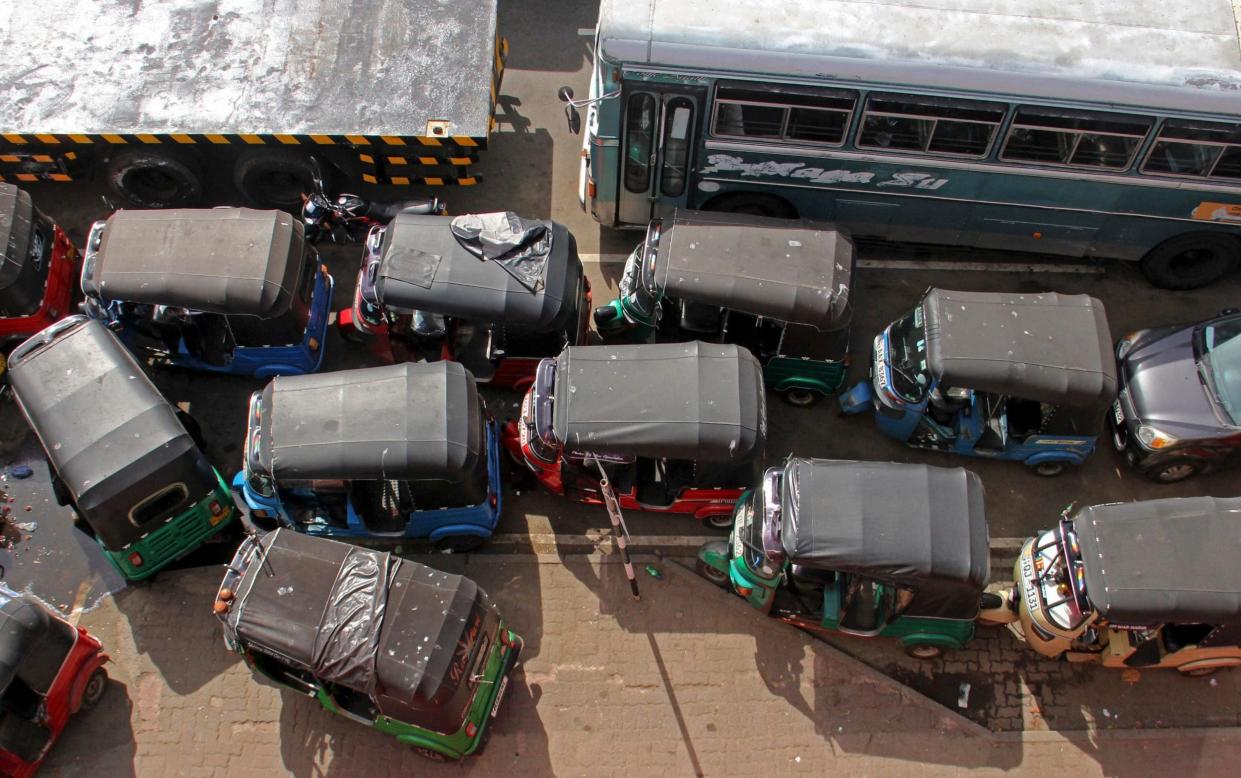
(753, 204)
(155, 179)
(276, 178)
(1191, 261)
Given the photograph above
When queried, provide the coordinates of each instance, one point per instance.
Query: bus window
(1061, 136)
(639, 137)
(1188, 148)
(676, 146)
(803, 115)
(932, 125)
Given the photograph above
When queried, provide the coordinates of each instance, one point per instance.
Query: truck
(172, 102)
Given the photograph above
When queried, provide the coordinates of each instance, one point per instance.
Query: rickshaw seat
(700, 318)
(812, 574)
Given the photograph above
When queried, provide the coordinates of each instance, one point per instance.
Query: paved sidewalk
(685, 682)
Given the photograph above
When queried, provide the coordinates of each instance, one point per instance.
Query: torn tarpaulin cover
(519, 245)
(348, 635)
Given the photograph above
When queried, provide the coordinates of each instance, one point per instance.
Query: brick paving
(686, 682)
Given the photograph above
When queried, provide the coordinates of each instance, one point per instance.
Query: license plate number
(495, 706)
(1117, 412)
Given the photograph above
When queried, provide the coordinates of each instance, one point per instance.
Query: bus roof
(1180, 56)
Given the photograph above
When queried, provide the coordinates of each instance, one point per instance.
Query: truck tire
(1191, 261)
(753, 204)
(155, 179)
(276, 178)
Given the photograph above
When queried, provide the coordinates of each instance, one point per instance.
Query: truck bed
(248, 67)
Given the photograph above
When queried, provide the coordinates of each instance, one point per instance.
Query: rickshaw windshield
(1061, 578)
(907, 340)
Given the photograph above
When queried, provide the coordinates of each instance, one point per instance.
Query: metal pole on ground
(619, 530)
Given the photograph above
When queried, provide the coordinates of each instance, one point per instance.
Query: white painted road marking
(929, 264)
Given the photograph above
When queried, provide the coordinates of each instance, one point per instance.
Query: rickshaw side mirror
(571, 115)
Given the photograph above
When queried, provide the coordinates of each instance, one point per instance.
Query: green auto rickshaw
(118, 452)
(870, 549)
(418, 654)
(780, 288)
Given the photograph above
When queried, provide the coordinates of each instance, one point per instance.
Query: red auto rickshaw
(49, 670)
(38, 268)
(677, 427)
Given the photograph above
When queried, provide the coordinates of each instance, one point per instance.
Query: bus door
(660, 126)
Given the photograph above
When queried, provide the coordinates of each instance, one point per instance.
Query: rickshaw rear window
(158, 505)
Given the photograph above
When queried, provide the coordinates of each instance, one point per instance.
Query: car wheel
(715, 576)
(1174, 470)
(155, 179)
(1191, 261)
(924, 651)
(95, 687)
(1049, 469)
(801, 398)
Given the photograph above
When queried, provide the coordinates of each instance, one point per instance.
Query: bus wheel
(271, 178)
(924, 651)
(753, 204)
(155, 179)
(710, 573)
(1191, 261)
(801, 398)
(1049, 469)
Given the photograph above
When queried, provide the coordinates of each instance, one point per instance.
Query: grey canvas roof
(915, 524)
(1181, 56)
(1048, 347)
(16, 217)
(248, 66)
(108, 432)
(702, 401)
(1163, 561)
(793, 271)
(424, 267)
(219, 260)
(404, 421)
(354, 616)
(33, 642)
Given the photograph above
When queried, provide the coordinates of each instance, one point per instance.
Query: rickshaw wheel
(719, 521)
(426, 753)
(711, 574)
(1200, 672)
(459, 544)
(924, 651)
(801, 398)
(95, 687)
(1049, 469)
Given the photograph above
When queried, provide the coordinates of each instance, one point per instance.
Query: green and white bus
(1100, 128)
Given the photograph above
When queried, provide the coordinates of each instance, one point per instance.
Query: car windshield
(1220, 347)
(907, 338)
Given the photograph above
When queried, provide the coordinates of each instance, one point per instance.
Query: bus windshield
(907, 340)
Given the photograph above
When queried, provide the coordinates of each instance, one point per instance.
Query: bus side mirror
(571, 114)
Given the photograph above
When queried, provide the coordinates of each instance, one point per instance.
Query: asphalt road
(532, 167)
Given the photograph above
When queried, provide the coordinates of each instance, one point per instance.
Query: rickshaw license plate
(495, 706)
(1117, 412)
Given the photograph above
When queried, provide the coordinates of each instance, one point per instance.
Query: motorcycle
(348, 218)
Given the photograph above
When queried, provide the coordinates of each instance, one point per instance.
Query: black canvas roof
(111, 436)
(410, 420)
(1163, 561)
(906, 523)
(218, 260)
(1048, 347)
(424, 267)
(16, 218)
(33, 642)
(353, 616)
(702, 401)
(792, 271)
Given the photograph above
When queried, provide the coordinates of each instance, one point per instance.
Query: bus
(1093, 129)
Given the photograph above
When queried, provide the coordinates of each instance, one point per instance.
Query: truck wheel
(155, 179)
(710, 573)
(1173, 470)
(271, 178)
(753, 204)
(1191, 261)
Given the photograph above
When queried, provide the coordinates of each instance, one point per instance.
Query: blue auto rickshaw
(225, 290)
(402, 451)
(1021, 377)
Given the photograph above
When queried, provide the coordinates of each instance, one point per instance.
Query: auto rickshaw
(1140, 585)
(780, 288)
(870, 549)
(49, 670)
(225, 290)
(495, 298)
(1021, 377)
(417, 654)
(399, 451)
(677, 427)
(38, 268)
(118, 451)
